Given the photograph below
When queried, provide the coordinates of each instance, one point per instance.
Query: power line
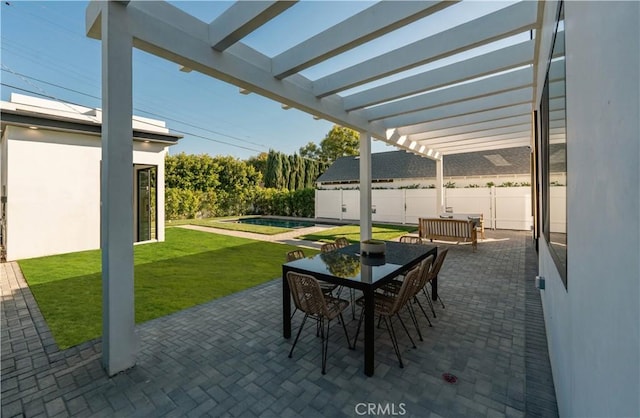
(51, 84)
(160, 126)
(41, 90)
(136, 109)
(78, 36)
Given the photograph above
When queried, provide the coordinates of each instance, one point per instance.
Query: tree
(310, 151)
(259, 163)
(339, 142)
(238, 182)
(192, 172)
(273, 173)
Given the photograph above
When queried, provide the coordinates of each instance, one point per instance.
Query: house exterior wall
(53, 190)
(593, 325)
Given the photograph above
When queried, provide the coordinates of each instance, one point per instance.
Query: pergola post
(365, 186)
(119, 344)
(439, 187)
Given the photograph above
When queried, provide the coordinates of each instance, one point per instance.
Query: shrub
(283, 202)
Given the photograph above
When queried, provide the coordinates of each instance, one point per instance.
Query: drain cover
(449, 378)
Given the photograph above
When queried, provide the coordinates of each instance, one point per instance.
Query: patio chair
(432, 274)
(394, 286)
(331, 246)
(341, 242)
(389, 306)
(410, 239)
(309, 298)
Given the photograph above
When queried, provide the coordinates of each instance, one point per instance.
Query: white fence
(503, 207)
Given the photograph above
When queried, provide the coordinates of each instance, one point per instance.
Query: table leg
(286, 306)
(369, 331)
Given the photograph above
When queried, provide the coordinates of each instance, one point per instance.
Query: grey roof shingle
(403, 165)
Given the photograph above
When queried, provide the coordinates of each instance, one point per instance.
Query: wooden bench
(448, 230)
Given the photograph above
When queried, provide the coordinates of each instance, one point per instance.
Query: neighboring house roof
(46, 114)
(404, 165)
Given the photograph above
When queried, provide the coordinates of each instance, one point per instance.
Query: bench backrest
(440, 227)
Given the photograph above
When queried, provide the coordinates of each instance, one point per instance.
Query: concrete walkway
(228, 358)
(284, 238)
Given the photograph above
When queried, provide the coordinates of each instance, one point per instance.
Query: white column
(365, 186)
(116, 223)
(439, 187)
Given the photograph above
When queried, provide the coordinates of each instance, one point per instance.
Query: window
(554, 152)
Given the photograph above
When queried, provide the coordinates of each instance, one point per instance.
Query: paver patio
(228, 358)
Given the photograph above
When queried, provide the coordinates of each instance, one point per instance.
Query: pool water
(282, 223)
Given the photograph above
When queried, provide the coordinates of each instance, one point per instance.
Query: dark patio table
(346, 267)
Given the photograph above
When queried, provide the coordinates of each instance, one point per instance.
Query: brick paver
(228, 358)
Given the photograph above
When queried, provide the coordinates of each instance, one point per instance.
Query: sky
(46, 53)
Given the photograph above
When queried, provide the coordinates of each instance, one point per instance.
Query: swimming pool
(282, 223)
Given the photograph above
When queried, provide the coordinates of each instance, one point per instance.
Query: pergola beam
(468, 119)
(479, 141)
(495, 101)
(371, 23)
(503, 23)
(491, 63)
(499, 140)
(488, 133)
(476, 127)
(239, 65)
(488, 86)
(497, 145)
(241, 19)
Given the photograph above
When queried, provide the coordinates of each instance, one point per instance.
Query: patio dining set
(382, 285)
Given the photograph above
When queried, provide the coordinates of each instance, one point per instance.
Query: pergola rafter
(492, 27)
(241, 19)
(480, 88)
(371, 23)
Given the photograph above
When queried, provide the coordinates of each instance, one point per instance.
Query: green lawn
(352, 232)
(219, 223)
(188, 269)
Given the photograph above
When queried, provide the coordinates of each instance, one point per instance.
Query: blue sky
(44, 42)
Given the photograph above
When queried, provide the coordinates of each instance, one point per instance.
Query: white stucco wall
(593, 326)
(53, 189)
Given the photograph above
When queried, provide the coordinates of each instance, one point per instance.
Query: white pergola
(469, 87)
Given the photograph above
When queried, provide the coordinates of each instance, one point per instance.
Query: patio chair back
(410, 239)
(433, 273)
(325, 248)
(341, 242)
(410, 285)
(295, 255)
(425, 266)
(307, 294)
(437, 265)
